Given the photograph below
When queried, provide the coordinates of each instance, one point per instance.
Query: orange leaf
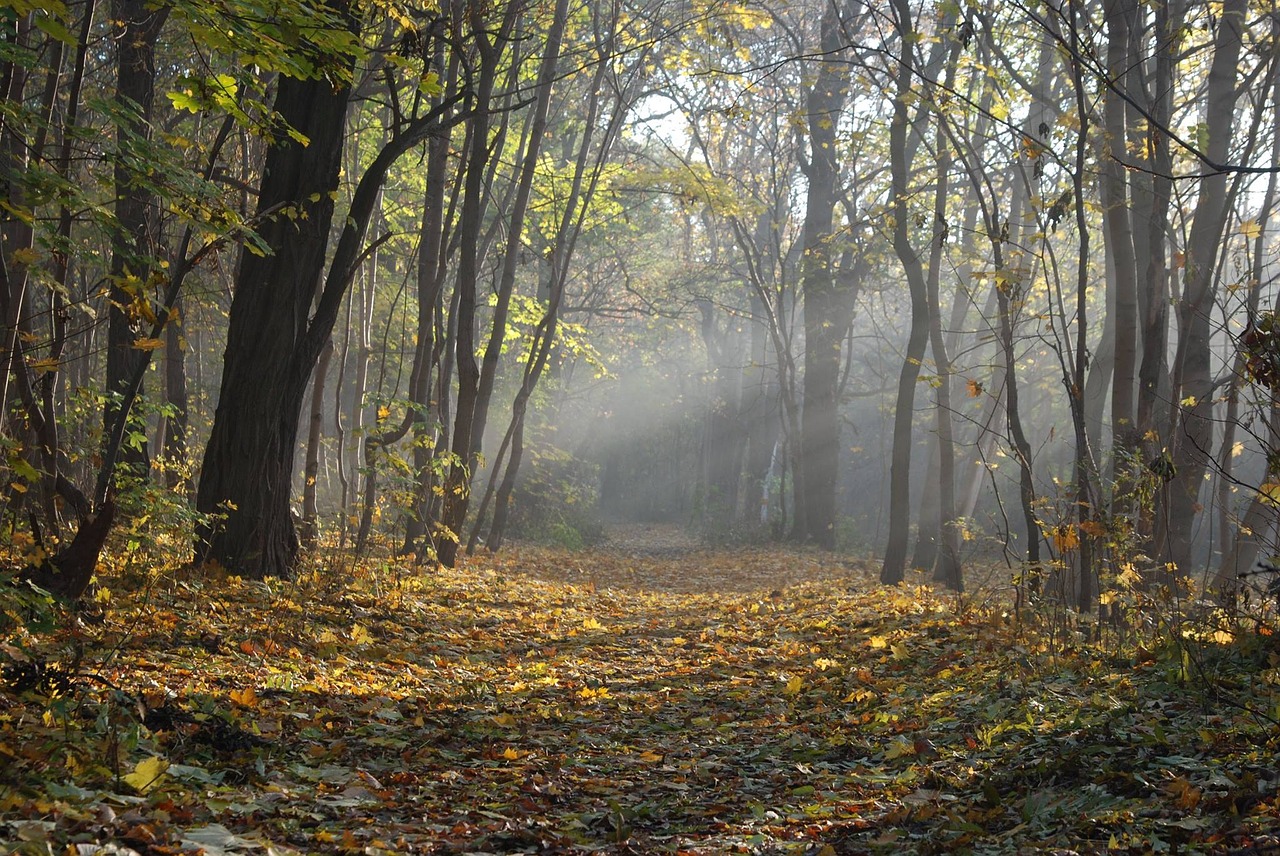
(245, 697)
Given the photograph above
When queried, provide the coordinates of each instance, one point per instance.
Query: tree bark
(176, 421)
(135, 246)
(457, 495)
(1119, 235)
(1194, 382)
(310, 528)
(824, 311)
(893, 570)
(246, 477)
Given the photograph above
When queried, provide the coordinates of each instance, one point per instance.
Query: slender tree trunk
(1119, 235)
(135, 246)
(581, 192)
(895, 557)
(947, 568)
(1152, 195)
(1193, 364)
(458, 483)
(176, 422)
(430, 282)
(1238, 558)
(309, 532)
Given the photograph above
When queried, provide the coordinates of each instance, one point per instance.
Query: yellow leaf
(25, 256)
(1066, 538)
(592, 624)
(1094, 528)
(245, 697)
(360, 635)
(649, 756)
(1251, 229)
(146, 343)
(879, 642)
(1189, 401)
(506, 720)
(383, 412)
(511, 754)
(900, 651)
(794, 685)
(1270, 493)
(899, 748)
(146, 773)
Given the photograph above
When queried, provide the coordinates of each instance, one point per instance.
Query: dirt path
(666, 558)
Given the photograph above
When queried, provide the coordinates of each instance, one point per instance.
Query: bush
(556, 500)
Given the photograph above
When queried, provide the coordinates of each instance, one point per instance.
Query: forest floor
(645, 697)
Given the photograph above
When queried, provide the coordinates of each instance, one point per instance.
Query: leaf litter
(621, 701)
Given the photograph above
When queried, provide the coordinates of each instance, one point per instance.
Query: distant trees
(976, 275)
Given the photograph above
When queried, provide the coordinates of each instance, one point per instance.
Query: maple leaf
(146, 773)
(246, 697)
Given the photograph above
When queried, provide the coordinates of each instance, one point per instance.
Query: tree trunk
(310, 528)
(1151, 201)
(135, 245)
(1119, 236)
(824, 312)
(947, 568)
(760, 411)
(458, 482)
(176, 421)
(1193, 364)
(246, 477)
(895, 556)
(1238, 558)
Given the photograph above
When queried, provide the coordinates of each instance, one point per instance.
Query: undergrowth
(538, 701)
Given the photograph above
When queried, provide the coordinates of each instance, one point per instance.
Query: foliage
(555, 501)
(626, 702)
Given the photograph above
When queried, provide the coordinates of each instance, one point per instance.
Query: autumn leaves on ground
(631, 699)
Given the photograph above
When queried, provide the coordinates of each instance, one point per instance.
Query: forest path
(772, 702)
(669, 558)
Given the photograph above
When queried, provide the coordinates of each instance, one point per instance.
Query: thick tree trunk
(824, 312)
(246, 478)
